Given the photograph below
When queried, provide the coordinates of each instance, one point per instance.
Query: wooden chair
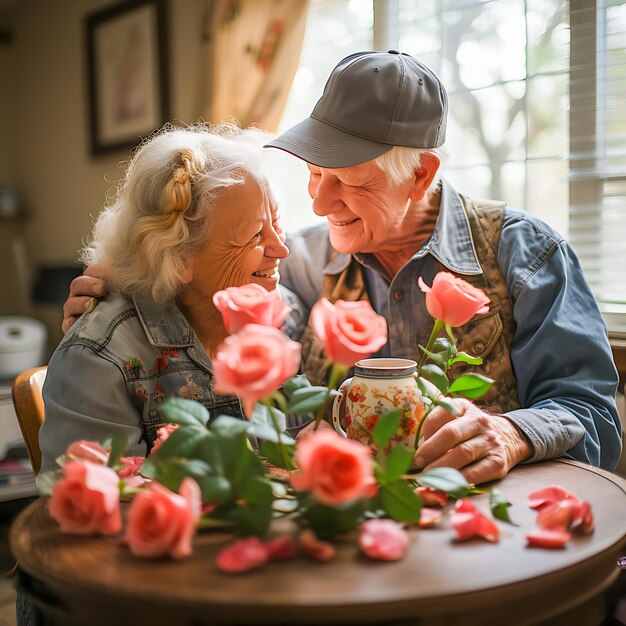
(28, 403)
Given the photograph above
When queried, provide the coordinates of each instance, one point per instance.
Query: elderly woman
(193, 215)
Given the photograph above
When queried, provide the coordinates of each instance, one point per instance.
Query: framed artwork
(127, 73)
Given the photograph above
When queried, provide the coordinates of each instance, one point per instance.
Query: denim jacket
(560, 354)
(113, 369)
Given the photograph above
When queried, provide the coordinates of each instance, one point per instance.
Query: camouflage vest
(488, 336)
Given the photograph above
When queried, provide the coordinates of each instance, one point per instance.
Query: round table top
(437, 577)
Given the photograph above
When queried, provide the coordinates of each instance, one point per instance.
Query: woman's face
(246, 244)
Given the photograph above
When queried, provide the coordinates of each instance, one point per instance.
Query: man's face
(365, 212)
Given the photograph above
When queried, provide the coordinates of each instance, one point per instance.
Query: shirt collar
(164, 324)
(451, 242)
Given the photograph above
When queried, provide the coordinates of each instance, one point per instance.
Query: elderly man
(371, 148)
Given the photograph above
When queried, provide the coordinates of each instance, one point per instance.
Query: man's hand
(481, 445)
(83, 289)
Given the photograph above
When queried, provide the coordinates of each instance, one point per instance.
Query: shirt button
(398, 295)
(479, 346)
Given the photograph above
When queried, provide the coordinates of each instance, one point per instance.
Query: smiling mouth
(345, 223)
(272, 273)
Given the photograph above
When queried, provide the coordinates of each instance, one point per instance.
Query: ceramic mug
(379, 386)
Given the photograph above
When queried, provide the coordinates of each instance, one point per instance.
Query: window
(535, 88)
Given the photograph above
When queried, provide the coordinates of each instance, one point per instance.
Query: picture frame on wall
(127, 77)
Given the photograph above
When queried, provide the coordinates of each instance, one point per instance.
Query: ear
(187, 273)
(424, 176)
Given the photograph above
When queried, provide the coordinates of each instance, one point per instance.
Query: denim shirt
(560, 351)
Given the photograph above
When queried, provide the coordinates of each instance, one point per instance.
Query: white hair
(400, 163)
(162, 210)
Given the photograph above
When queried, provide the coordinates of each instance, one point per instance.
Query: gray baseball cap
(372, 101)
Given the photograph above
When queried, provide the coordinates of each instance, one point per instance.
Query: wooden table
(89, 580)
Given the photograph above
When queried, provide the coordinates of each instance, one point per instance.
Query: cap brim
(326, 146)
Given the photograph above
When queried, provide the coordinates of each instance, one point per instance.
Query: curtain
(253, 48)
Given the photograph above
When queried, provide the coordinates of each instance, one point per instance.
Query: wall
(46, 153)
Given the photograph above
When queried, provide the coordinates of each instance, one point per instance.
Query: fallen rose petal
(242, 556)
(582, 519)
(550, 539)
(464, 505)
(488, 529)
(431, 496)
(429, 517)
(282, 548)
(548, 495)
(311, 546)
(557, 515)
(383, 539)
(472, 523)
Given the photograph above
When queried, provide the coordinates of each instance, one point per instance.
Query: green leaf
(170, 472)
(327, 521)
(449, 405)
(228, 426)
(397, 463)
(183, 442)
(470, 385)
(440, 360)
(255, 508)
(262, 425)
(400, 502)
(309, 399)
(215, 489)
(181, 411)
(436, 376)
(279, 399)
(463, 357)
(208, 450)
(271, 451)
(386, 427)
(444, 346)
(293, 384)
(47, 480)
(445, 479)
(119, 445)
(500, 506)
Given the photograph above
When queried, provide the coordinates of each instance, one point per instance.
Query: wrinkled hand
(481, 445)
(83, 289)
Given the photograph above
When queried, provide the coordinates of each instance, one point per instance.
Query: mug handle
(342, 389)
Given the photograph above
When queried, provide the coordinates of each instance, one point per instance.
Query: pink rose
(254, 363)
(334, 469)
(242, 556)
(163, 522)
(86, 499)
(453, 300)
(90, 451)
(130, 472)
(350, 331)
(163, 434)
(250, 304)
(130, 466)
(383, 539)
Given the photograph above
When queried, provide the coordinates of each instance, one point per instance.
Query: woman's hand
(481, 445)
(83, 289)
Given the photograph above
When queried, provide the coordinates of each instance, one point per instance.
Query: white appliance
(22, 345)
